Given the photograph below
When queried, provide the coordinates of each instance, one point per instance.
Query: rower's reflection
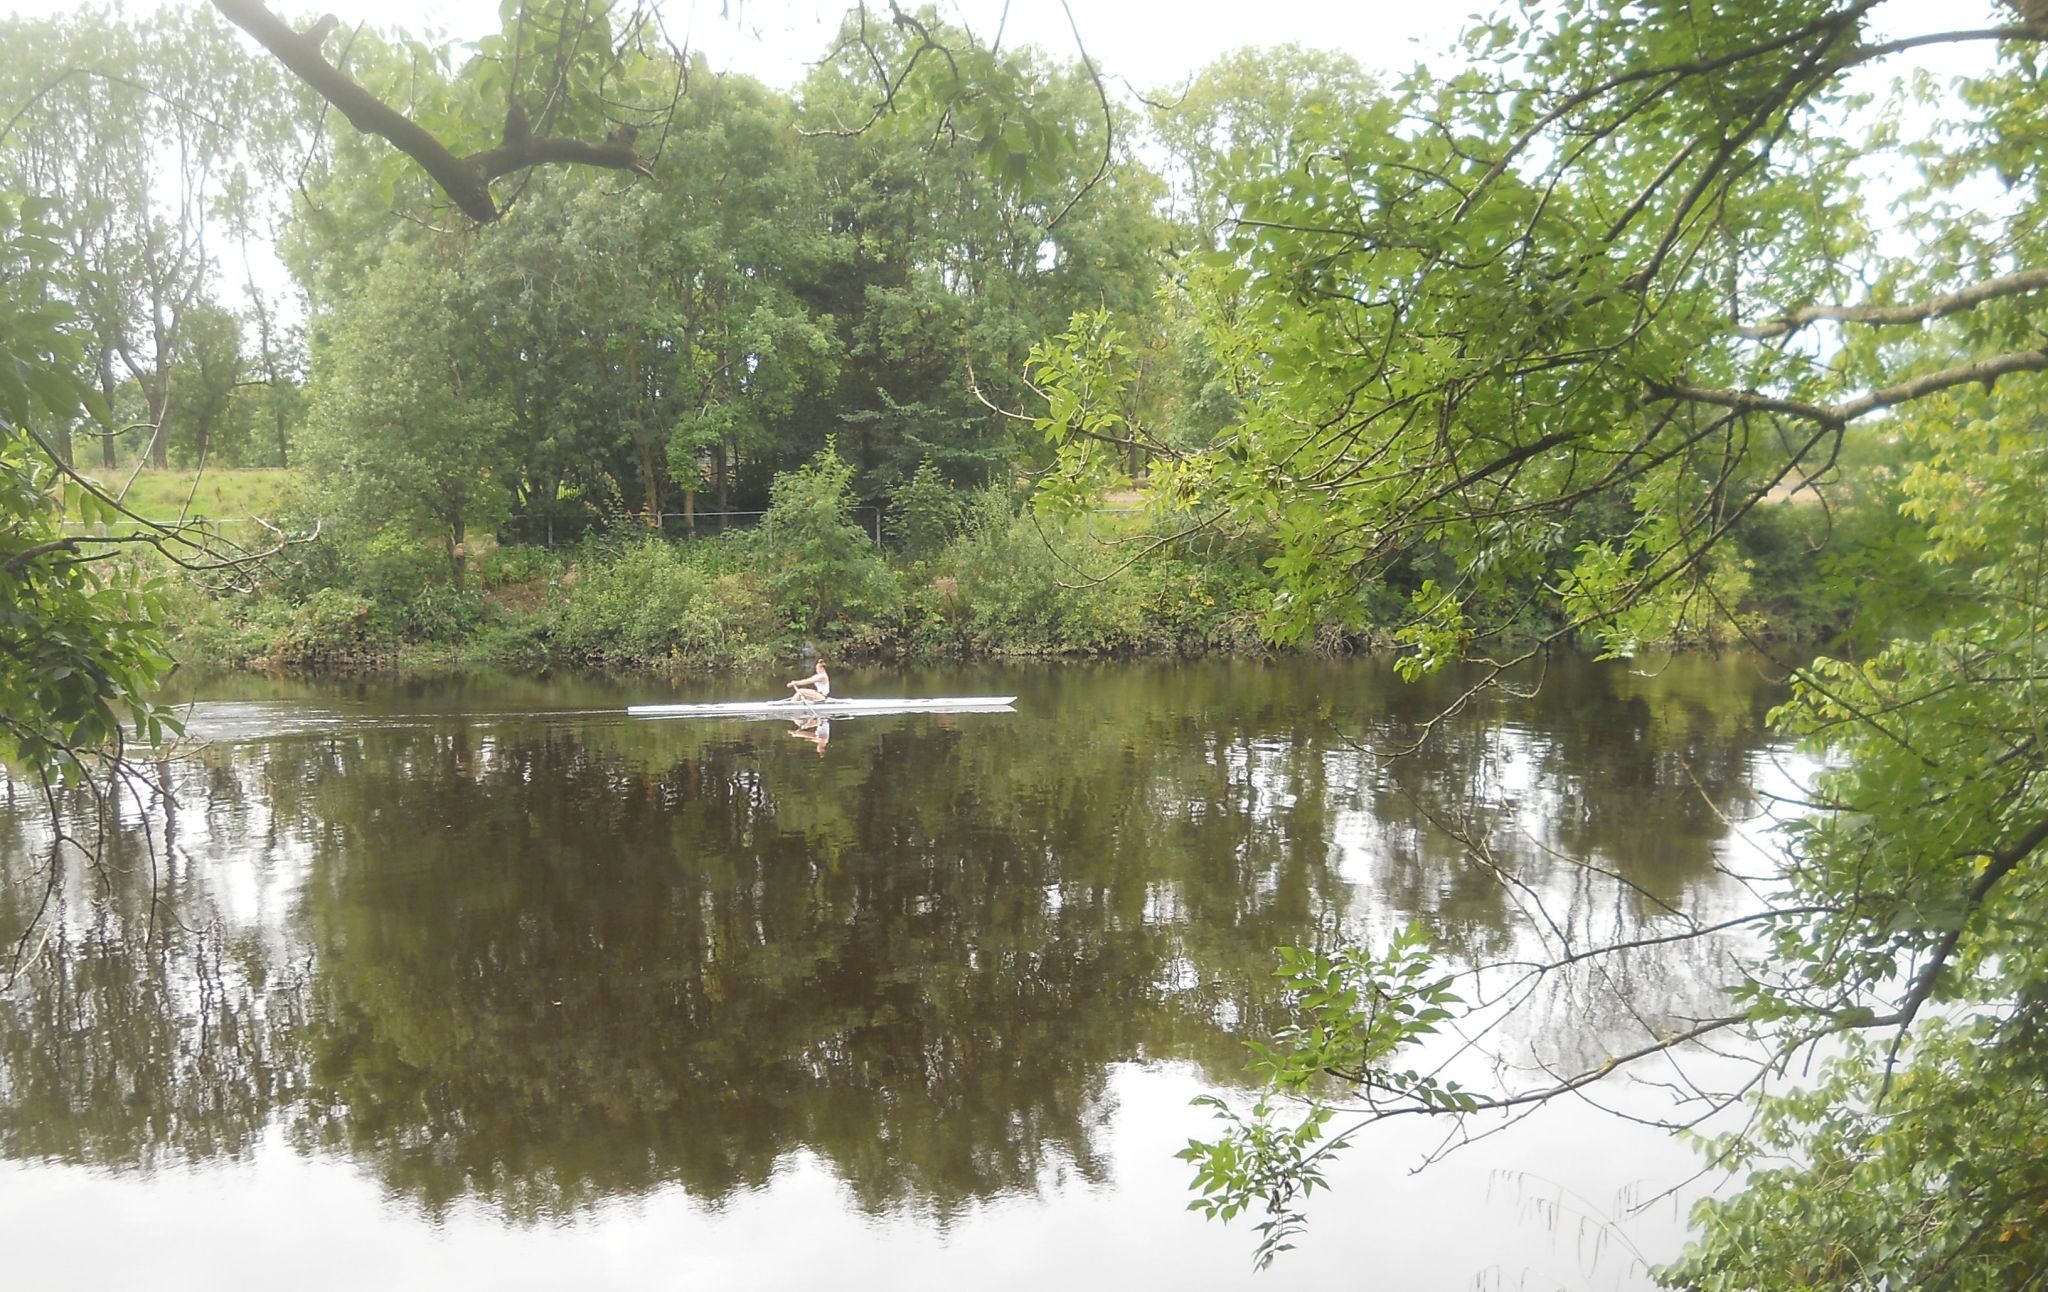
(817, 730)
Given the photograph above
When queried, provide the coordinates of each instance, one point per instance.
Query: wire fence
(709, 524)
(211, 526)
(674, 524)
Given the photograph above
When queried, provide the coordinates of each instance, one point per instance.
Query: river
(439, 984)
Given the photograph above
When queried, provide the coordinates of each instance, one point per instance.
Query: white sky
(1152, 43)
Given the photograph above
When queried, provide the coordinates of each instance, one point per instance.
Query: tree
(405, 425)
(706, 313)
(1243, 117)
(136, 129)
(206, 370)
(822, 564)
(951, 263)
(1556, 328)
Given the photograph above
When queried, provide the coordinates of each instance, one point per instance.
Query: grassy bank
(174, 493)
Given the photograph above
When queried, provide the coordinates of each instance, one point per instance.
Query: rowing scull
(832, 708)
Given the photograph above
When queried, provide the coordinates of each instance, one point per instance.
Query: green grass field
(221, 493)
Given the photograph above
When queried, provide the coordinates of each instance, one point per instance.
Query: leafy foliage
(924, 512)
(408, 429)
(657, 602)
(1358, 1012)
(80, 638)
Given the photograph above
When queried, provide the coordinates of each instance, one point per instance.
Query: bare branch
(1108, 122)
(2027, 280)
(1835, 416)
(467, 180)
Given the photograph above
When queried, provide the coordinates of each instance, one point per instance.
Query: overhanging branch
(467, 180)
(1835, 416)
(2027, 280)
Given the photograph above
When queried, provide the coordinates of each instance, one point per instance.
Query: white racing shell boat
(833, 708)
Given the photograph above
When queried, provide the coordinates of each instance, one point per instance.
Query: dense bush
(925, 513)
(440, 613)
(334, 624)
(1030, 586)
(823, 570)
(652, 601)
(1016, 582)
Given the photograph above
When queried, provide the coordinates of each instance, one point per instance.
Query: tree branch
(2027, 280)
(467, 180)
(1998, 863)
(1836, 416)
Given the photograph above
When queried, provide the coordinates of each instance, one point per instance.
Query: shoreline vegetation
(998, 582)
(944, 575)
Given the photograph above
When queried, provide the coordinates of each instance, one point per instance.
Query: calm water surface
(450, 985)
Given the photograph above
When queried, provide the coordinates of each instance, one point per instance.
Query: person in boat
(816, 687)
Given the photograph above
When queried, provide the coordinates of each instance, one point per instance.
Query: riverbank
(989, 579)
(1004, 584)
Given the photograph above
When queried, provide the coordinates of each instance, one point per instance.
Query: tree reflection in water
(542, 962)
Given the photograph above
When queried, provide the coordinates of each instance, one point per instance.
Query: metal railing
(708, 524)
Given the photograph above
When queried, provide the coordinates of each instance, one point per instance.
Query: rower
(816, 687)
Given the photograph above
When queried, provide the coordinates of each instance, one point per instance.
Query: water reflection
(537, 958)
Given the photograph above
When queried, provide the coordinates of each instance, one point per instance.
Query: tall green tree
(137, 127)
(407, 428)
(1246, 116)
(952, 261)
(206, 372)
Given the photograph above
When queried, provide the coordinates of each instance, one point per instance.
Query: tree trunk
(458, 557)
(159, 389)
(653, 489)
(108, 458)
(159, 435)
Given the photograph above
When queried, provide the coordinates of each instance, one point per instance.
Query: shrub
(924, 513)
(333, 623)
(1028, 585)
(520, 645)
(443, 613)
(222, 626)
(824, 573)
(499, 567)
(652, 601)
(393, 568)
